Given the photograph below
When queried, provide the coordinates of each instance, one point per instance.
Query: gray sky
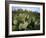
(37, 9)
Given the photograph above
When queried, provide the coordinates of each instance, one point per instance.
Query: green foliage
(25, 20)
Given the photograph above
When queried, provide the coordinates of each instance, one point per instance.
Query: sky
(27, 7)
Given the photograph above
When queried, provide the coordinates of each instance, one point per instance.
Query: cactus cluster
(25, 20)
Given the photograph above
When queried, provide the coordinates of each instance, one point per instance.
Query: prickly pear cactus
(25, 20)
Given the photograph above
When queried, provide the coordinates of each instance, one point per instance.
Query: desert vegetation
(25, 20)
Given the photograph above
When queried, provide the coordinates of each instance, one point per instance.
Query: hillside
(25, 20)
